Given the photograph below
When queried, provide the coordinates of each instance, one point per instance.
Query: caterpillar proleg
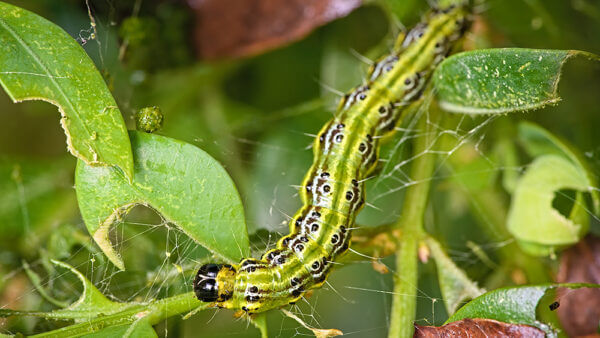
(345, 153)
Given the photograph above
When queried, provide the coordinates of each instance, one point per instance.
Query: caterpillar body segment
(345, 153)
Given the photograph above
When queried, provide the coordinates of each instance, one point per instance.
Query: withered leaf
(475, 328)
(233, 28)
(579, 310)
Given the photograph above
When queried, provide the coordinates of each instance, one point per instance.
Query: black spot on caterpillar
(345, 153)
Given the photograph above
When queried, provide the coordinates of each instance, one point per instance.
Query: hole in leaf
(564, 200)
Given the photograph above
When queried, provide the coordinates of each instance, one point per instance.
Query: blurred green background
(256, 115)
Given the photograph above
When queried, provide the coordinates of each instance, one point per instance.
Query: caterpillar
(345, 153)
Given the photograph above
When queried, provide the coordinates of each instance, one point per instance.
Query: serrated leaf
(537, 226)
(40, 61)
(515, 304)
(454, 282)
(501, 80)
(183, 183)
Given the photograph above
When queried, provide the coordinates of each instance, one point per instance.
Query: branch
(404, 301)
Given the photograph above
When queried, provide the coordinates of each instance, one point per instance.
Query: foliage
(517, 305)
(181, 182)
(34, 71)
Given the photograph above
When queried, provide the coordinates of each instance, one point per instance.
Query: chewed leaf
(454, 282)
(536, 225)
(516, 305)
(40, 61)
(500, 80)
(539, 141)
(479, 328)
(183, 183)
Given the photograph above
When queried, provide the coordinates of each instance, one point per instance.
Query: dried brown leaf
(319, 333)
(379, 267)
(233, 28)
(579, 310)
(475, 328)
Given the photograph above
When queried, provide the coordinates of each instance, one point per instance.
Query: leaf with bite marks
(40, 61)
(181, 182)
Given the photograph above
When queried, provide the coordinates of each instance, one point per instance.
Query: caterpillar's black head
(213, 282)
(205, 284)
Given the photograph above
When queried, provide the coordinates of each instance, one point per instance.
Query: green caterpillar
(345, 152)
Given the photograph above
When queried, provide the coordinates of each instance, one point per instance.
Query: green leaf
(133, 317)
(91, 304)
(501, 80)
(515, 304)
(140, 328)
(40, 61)
(538, 227)
(65, 237)
(538, 141)
(181, 182)
(35, 279)
(454, 282)
(94, 313)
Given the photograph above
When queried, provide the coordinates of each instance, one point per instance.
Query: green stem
(156, 312)
(260, 322)
(404, 301)
(375, 241)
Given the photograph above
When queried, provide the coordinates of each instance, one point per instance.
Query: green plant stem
(404, 301)
(156, 312)
(260, 322)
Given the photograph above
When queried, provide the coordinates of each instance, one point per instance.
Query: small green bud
(149, 119)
